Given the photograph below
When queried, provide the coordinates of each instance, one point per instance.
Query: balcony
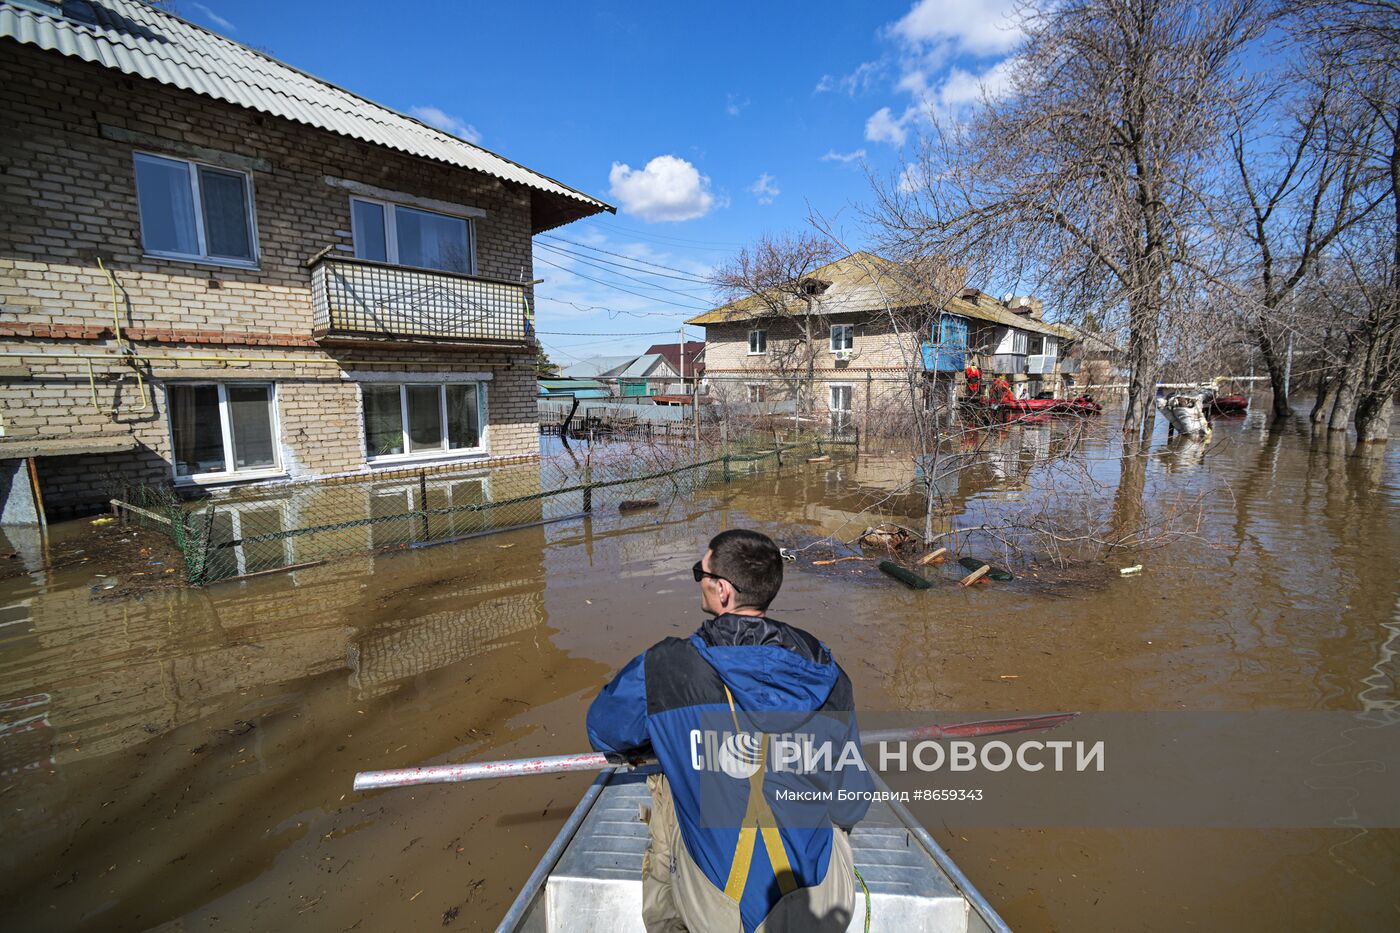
(1010, 364)
(944, 358)
(361, 300)
(1040, 364)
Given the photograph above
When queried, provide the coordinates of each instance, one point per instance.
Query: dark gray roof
(136, 39)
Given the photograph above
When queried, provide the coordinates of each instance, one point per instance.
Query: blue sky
(707, 126)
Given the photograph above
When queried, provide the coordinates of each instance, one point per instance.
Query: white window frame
(831, 395)
(850, 337)
(441, 453)
(229, 476)
(409, 494)
(202, 257)
(762, 336)
(1019, 339)
(391, 233)
(236, 510)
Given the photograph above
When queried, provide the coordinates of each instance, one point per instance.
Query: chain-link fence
(251, 530)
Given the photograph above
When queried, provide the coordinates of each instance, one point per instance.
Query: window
(952, 331)
(1018, 341)
(758, 342)
(758, 392)
(414, 420)
(194, 211)
(1035, 344)
(398, 519)
(407, 236)
(840, 398)
(238, 522)
(223, 430)
(842, 336)
(840, 404)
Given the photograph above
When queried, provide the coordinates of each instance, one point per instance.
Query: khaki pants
(677, 897)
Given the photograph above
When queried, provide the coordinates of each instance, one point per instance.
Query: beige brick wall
(68, 196)
(876, 370)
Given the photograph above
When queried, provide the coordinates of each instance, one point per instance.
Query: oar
(596, 761)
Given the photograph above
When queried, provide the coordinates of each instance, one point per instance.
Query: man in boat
(726, 853)
(1001, 389)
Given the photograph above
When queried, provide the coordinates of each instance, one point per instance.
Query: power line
(588, 261)
(685, 276)
(639, 333)
(677, 242)
(620, 288)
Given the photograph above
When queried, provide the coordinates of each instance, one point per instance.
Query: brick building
(861, 327)
(217, 269)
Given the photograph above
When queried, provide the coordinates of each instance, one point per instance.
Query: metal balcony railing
(360, 298)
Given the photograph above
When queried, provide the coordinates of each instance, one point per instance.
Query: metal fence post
(588, 482)
(724, 447)
(423, 501)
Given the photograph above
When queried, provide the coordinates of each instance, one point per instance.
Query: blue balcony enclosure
(941, 359)
(948, 352)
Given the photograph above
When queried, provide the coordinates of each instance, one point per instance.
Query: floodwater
(183, 760)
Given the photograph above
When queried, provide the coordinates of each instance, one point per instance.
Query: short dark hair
(751, 562)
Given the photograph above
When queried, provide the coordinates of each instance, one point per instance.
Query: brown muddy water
(181, 759)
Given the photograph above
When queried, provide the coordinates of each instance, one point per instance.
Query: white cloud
(214, 18)
(435, 116)
(735, 104)
(764, 189)
(981, 27)
(853, 83)
(884, 127)
(961, 88)
(667, 189)
(843, 157)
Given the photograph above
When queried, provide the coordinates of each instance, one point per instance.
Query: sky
(707, 126)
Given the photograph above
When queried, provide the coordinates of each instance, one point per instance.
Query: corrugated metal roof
(864, 283)
(135, 39)
(642, 367)
(595, 366)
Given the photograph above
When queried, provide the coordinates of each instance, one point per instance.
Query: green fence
(272, 527)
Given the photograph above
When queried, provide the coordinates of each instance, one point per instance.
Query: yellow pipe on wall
(116, 308)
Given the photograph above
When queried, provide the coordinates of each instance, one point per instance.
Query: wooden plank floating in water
(976, 575)
(994, 573)
(933, 557)
(822, 459)
(631, 505)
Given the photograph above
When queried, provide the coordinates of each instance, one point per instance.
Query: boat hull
(596, 885)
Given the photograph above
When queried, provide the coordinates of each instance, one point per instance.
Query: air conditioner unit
(842, 355)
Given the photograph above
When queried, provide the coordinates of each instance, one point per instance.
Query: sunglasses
(700, 572)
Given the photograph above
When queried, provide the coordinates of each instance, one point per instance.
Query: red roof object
(672, 352)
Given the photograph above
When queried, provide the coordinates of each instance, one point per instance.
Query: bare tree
(1360, 42)
(773, 282)
(1090, 176)
(1295, 198)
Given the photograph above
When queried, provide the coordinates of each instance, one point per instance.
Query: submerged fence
(262, 529)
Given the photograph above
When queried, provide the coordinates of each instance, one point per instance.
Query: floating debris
(908, 577)
(976, 575)
(933, 557)
(994, 573)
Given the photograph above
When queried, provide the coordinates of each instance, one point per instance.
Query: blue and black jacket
(756, 676)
